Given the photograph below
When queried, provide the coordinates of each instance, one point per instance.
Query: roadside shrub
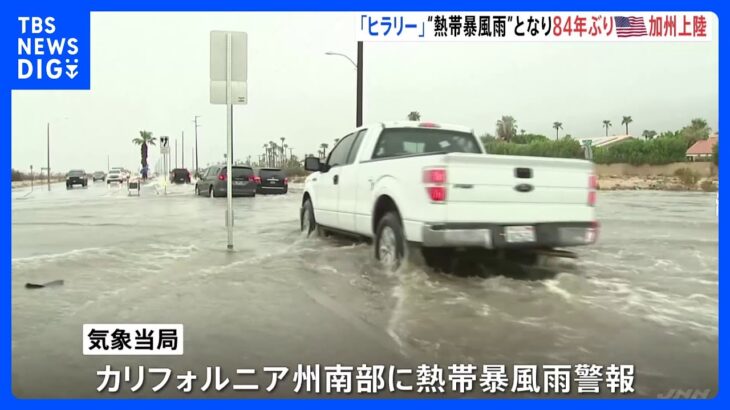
(658, 151)
(528, 138)
(687, 176)
(708, 186)
(564, 148)
(16, 175)
(295, 172)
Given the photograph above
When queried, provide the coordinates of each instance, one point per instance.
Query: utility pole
(48, 151)
(175, 152)
(195, 120)
(182, 150)
(107, 164)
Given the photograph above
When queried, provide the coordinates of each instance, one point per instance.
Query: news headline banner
(461, 378)
(430, 379)
(531, 27)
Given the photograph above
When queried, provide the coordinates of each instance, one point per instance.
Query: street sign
(219, 67)
(228, 75)
(164, 145)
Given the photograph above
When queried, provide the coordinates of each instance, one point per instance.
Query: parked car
(271, 181)
(98, 176)
(180, 176)
(213, 181)
(116, 176)
(76, 177)
(434, 186)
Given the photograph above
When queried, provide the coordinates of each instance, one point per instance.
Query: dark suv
(98, 176)
(76, 177)
(180, 176)
(213, 182)
(272, 181)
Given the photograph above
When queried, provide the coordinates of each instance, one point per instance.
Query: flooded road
(645, 295)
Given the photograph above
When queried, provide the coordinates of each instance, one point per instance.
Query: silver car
(115, 175)
(213, 182)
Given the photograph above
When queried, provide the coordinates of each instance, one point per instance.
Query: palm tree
(272, 153)
(283, 156)
(506, 128)
(414, 116)
(522, 132)
(625, 121)
(144, 140)
(558, 126)
(281, 147)
(606, 125)
(324, 149)
(648, 134)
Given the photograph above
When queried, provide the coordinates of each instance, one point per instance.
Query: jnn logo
(43, 55)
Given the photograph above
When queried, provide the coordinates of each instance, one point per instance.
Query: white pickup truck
(433, 185)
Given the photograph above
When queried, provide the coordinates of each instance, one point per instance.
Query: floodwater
(646, 295)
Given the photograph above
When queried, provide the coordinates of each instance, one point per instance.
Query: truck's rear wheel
(390, 241)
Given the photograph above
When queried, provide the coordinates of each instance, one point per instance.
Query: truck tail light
(434, 176)
(436, 193)
(252, 178)
(435, 180)
(257, 180)
(593, 181)
(286, 181)
(592, 186)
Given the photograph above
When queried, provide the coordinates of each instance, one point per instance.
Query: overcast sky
(149, 71)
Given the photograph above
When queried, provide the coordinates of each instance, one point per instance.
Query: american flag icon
(630, 26)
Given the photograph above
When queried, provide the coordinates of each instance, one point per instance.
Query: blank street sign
(219, 65)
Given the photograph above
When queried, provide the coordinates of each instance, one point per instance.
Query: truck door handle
(336, 179)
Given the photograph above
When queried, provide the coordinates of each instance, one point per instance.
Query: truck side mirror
(312, 164)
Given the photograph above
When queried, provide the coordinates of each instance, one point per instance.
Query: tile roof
(702, 147)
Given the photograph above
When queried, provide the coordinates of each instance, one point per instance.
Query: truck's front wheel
(308, 223)
(390, 241)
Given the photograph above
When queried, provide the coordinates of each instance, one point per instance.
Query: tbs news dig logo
(43, 55)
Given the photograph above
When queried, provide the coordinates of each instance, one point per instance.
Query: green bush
(528, 138)
(295, 172)
(564, 148)
(687, 176)
(658, 151)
